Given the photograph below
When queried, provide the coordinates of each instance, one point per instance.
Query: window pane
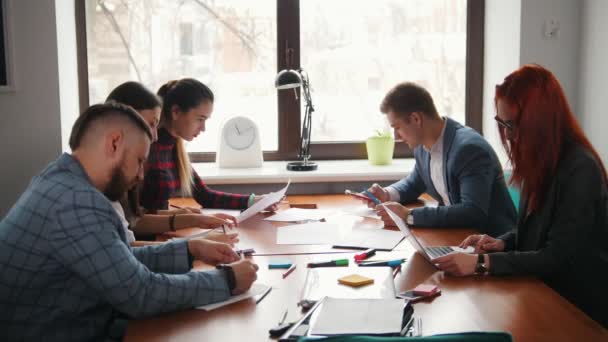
(355, 51)
(230, 45)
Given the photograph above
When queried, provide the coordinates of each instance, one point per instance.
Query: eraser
(425, 290)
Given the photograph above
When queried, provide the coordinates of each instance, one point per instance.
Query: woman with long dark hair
(187, 105)
(148, 105)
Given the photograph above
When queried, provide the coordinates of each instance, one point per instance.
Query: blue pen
(372, 197)
(391, 263)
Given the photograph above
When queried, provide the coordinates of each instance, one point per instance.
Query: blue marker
(390, 263)
(372, 197)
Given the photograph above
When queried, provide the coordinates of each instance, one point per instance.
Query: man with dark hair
(454, 164)
(66, 270)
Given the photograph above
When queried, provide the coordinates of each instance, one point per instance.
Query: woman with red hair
(562, 232)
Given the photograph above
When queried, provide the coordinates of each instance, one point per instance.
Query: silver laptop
(429, 253)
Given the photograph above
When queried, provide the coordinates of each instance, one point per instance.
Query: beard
(118, 186)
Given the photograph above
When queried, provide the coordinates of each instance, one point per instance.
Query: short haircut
(134, 94)
(105, 111)
(406, 98)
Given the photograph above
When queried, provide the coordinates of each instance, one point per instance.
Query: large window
(230, 45)
(353, 51)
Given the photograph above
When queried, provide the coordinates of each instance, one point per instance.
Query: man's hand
(395, 207)
(381, 194)
(211, 252)
(483, 243)
(458, 264)
(245, 273)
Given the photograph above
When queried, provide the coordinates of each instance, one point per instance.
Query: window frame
(289, 108)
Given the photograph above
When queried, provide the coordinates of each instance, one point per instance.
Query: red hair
(544, 127)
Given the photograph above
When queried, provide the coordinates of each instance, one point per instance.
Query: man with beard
(66, 270)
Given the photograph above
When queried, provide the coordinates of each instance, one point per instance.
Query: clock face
(239, 133)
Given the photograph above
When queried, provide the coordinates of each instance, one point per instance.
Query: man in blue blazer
(454, 164)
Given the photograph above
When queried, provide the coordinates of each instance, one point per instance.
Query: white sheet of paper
(362, 211)
(315, 233)
(211, 211)
(255, 290)
(381, 239)
(201, 234)
(358, 316)
(299, 214)
(267, 201)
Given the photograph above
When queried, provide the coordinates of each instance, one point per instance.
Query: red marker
(288, 272)
(364, 255)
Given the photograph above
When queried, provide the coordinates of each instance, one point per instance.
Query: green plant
(382, 133)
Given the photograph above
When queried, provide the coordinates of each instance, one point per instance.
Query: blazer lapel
(448, 139)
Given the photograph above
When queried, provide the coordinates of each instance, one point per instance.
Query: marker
(246, 251)
(390, 263)
(263, 295)
(364, 255)
(333, 263)
(274, 265)
(288, 272)
(396, 271)
(372, 197)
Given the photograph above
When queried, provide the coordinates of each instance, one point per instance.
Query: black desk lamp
(291, 79)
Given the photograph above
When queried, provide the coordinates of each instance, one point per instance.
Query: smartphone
(409, 295)
(361, 196)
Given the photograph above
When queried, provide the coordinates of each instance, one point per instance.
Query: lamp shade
(288, 79)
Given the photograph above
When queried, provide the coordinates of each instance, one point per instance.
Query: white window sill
(328, 171)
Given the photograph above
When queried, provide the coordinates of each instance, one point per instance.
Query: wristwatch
(410, 219)
(480, 267)
(229, 273)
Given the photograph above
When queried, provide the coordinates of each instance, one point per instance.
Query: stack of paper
(358, 316)
(298, 214)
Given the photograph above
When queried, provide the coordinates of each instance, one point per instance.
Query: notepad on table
(255, 290)
(338, 316)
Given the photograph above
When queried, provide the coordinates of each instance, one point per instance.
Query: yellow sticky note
(355, 280)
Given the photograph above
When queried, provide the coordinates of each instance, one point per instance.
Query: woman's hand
(483, 243)
(228, 238)
(458, 264)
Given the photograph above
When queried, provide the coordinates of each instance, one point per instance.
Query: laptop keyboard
(436, 252)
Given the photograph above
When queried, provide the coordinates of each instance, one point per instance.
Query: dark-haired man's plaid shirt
(161, 180)
(67, 273)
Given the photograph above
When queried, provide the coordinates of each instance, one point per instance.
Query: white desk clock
(239, 145)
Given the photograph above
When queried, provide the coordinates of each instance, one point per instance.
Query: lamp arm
(307, 124)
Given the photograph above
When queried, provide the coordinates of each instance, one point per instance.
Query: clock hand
(237, 129)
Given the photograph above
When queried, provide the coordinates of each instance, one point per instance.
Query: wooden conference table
(525, 307)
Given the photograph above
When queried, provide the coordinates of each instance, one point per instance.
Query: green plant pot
(380, 150)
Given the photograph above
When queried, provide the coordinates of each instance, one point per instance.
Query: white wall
(30, 133)
(593, 111)
(68, 72)
(514, 35)
(559, 54)
(501, 56)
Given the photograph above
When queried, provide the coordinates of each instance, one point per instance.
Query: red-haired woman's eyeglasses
(505, 124)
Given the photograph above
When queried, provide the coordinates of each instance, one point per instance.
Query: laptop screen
(407, 232)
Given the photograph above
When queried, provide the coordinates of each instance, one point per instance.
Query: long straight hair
(137, 96)
(186, 94)
(544, 127)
